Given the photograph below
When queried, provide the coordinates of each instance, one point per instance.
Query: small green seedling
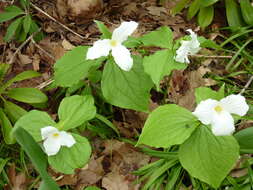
(9, 111)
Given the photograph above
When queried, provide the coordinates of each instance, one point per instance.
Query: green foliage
(73, 112)
(68, 159)
(27, 95)
(106, 34)
(245, 140)
(10, 112)
(22, 25)
(203, 93)
(208, 157)
(238, 12)
(205, 16)
(37, 157)
(73, 67)
(162, 37)
(169, 124)
(126, 89)
(205, 156)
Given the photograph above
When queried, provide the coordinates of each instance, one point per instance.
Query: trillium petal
(194, 43)
(121, 33)
(223, 124)
(205, 111)
(52, 146)
(182, 52)
(47, 131)
(122, 57)
(235, 104)
(100, 48)
(66, 139)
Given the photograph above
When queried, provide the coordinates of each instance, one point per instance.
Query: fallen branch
(21, 46)
(247, 85)
(213, 56)
(52, 18)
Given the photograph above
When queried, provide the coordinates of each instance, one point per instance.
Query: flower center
(55, 135)
(113, 43)
(218, 108)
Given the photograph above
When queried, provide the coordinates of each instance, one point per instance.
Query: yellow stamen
(113, 43)
(56, 135)
(218, 108)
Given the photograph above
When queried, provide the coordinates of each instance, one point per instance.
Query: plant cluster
(239, 13)
(22, 25)
(199, 142)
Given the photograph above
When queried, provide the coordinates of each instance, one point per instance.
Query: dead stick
(52, 18)
(247, 85)
(44, 51)
(44, 84)
(213, 56)
(21, 46)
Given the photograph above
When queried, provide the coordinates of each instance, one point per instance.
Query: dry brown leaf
(67, 45)
(92, 174)
(114, 181)
(24, 59)
(182, 86)
(17, 181)
(154, 10)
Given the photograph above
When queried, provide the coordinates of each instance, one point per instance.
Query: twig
(44, 51)
(45, 84)
(21, 46)
(247, 85)
(52, 18)
(213, 56)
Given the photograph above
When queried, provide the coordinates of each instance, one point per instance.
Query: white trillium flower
(218, 113)
(54, 139)
(187, 48)
(120, 53)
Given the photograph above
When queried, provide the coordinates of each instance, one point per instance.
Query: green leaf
(92, 188)
(11, 30)
(27, 95)
(126, 89)
(168, 125)
(3, 70)
(206, 43)
(24, 3)
(106, 34)
(245, 140)
(207, 3)
(35, 28)
(162, 37)
(33, 121)
(27, 23)
(3, 162)
(247, 11)
(179, 7)
(205, 16)
(6, 127)
(13, 111)
(204, 93)
(207, 157)
(37, 157)
(75, 110)
(10, 13)
(73, 67)
(161, 64)
(68, 159)
(234, 16)
(22, 76)
(193, 9)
